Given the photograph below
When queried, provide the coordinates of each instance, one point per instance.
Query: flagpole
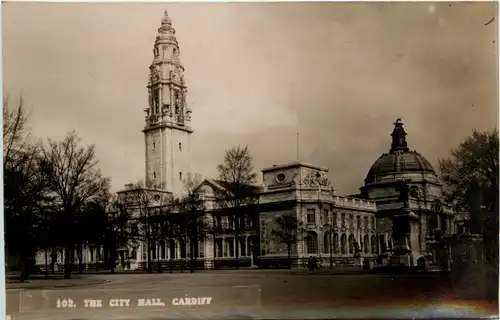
(297, 144)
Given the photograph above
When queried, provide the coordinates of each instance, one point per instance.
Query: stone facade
(335, 227)
(167, 128)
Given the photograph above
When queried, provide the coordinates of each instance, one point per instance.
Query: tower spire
(398, 137)
(166, 19)
(168, 117)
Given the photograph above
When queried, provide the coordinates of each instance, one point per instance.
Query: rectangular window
(351, 221)
(343, 220)
(366, 222)
(154, 145)
(180, 175)
(326, 217)
(180, 146)
(154, 175)
(334, 219)
(358, 222)
(311, 216)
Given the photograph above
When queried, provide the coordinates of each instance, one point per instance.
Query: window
(154, 175)
(174, 51)
(326, 217)
(311, 216)
(343, 220)
(180, 175)
(366, 222)
(154, 145)
(351, 221)
(334, 219)
(201, 248)
(373, 223)
(180, 146)
(281, 177)
(312, 244)
(134, 230)
(133, 255)
(358, 222)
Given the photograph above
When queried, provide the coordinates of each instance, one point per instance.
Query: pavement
(261, 294)
(52, 282)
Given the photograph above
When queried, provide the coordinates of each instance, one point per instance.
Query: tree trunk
(237, 252)
(158, 259)
(95, 250)
(193, 254)
(113, 257)
(22, 269)
(53, 259)
(289, 247)
(80, 258)
(106, 258)
(150, 266)
(67, 262)
(46, 263)
(170, 254)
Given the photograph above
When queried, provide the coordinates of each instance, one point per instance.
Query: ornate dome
(399, 159)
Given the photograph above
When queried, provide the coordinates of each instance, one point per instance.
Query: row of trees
(56, 197)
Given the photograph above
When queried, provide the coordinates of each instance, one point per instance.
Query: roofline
(294, 165)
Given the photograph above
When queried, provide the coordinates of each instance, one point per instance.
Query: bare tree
(25, 189)
(14, 130)
(289, 230)
(237, 177)
(74, 180)
(149, 207)
(192, 217)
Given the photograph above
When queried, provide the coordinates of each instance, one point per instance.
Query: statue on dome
(398, 137)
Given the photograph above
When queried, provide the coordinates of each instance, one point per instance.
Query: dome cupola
(399, 161)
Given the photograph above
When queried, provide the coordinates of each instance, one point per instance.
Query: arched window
(335, 243)
(312, 243)
(383, 248)
(366, 244)
(343, 244)
(326, 242)
(201, 248)
(351, 244)
(172, 249)
(182, 247)
(374, 244)
(162, 250)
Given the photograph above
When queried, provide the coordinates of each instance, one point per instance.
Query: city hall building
(336, 227)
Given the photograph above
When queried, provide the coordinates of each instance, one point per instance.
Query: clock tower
(167, 127)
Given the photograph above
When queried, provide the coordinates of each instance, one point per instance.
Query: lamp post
(331, 234)
(331, 240)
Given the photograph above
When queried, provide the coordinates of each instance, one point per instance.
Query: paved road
(248, 295)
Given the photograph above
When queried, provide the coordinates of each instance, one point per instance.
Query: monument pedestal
(405, 235)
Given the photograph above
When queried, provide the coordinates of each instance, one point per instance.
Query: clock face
(280, 177)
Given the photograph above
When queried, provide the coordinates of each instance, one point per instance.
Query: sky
(339, 74)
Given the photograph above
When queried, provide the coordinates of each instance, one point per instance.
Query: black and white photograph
(250, 160)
